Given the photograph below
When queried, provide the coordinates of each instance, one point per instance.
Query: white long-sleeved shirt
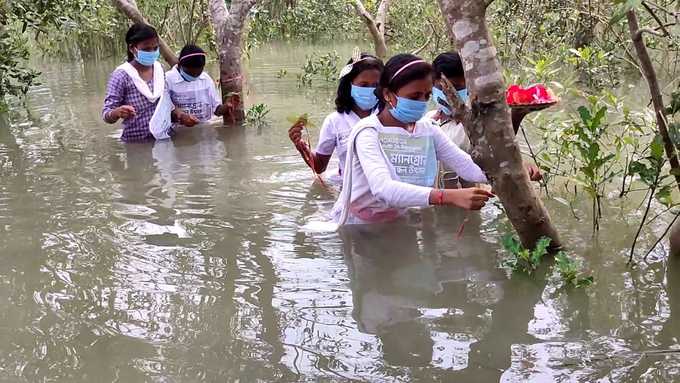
(198, 98)
(334, 134)
(377, 192)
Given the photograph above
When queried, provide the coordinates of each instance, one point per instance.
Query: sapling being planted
(521, 259)
(527, 261)
(569, 270)
(257, 114)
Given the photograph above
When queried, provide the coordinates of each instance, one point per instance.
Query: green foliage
(649, 170)
(623, 7)
(305, 20)
(415, 24)
(568, 270)
(324, 67)
(15, 77)
(522, 260)
(588, 147)
(257, 114)
(526, 261)
(595, 66)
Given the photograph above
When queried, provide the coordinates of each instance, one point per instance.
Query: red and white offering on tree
(536, 96)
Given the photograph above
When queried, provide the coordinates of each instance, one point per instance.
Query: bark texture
(376, 25)
(228, 24)
(129, 9)
(488, 122)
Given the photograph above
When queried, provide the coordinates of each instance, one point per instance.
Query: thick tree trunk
(376, 26)
(228, 25)
(129, 9)
(489, 124)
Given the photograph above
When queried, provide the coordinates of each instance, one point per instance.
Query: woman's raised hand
(469, 198)
(124, 112)
(187, 119)
(534, 172)
(295, 133)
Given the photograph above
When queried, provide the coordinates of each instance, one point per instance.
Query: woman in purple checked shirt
(136, 86)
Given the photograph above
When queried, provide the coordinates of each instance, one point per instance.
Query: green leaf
(540, 251)
(674, 134)
(624, 7)
(597, 120)
(656, 147)
(584, 282)
(664, 196)
(585, 114)
(675, 103)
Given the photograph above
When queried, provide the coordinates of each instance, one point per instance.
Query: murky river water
(186, 261)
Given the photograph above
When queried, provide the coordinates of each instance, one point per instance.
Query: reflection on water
(187, 260)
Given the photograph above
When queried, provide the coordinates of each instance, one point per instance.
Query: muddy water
(187, 261)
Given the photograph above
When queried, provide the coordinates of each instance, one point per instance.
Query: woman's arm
(456, 159)
(115, 96)
(318, 160)
(402, 195)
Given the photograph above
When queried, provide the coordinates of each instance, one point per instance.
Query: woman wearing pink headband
(355, 100)
(392, 156)
(191, 89)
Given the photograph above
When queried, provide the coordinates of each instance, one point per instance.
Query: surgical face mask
(147, 58)
(186, 76)
(464, 95)
(409, 111)
(364, 97)
(438, 96)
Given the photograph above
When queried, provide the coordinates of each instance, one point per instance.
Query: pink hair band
(406, 66)
(192, 55)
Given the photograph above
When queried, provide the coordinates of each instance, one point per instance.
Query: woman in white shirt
(392, 156)
(191, 89)
(356, 99)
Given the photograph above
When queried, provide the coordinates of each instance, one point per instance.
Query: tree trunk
(129, 9)
(655, 91)
(228, 25)
(489, 125)
(376, 26)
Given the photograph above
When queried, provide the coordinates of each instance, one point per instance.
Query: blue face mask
(409, 111)
(439, 95)
(364, 97)
(464, 95)
(147, 58)
(186, 76)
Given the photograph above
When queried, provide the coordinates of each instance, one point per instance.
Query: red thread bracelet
(439, 197)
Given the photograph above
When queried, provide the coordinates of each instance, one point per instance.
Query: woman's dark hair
(390, 80)
(138, 33)
(195, 61)
(344, 101)
(448, 64)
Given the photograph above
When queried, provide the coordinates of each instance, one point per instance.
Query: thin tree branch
(650, 31)
(658, 21)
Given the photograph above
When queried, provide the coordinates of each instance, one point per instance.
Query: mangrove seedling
(569, 270)
(306, 123)
(257, 114)
(521, 259)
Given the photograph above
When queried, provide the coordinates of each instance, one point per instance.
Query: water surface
(187, 261)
